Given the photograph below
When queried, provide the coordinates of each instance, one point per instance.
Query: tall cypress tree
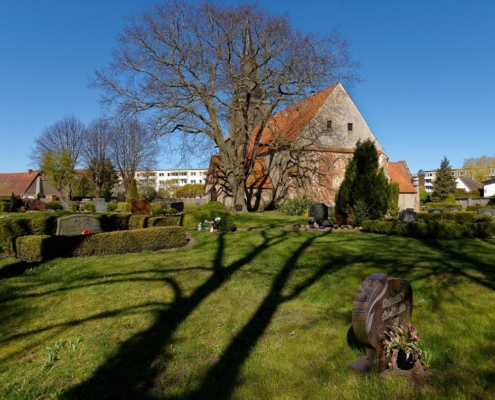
(364, 192)
(444, 182)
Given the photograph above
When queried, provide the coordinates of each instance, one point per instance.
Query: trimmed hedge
(124, 207)
(458, 217)
(213, 206)
(191, 220)
(433, 229)
(164, 221)
(476, 208)
(43, 247)
(12, 228)
(443, 205)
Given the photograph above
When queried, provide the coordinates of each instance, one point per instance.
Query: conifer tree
(364, 193)
(444, 183)
(133, 191)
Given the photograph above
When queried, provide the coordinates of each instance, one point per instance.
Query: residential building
(177, 177)
(465, 183)
(408, 185)
(28, 184)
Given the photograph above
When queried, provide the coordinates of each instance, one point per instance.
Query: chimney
(29, 171)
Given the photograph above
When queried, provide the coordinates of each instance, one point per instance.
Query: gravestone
(489, 211)
(435, 210)
(140, 206)
(100, 206)
(238, 207)
(407, 216)
(451, 209)
(74, 225)
(380, 302)
(40, 205)
(179, 206)
(319, 212)
(65, 205)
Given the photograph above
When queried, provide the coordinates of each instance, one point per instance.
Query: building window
(183, 181)
(183, 173)
(161, 174)
(137, 175)
(161, 181)
(168, 173)
(200, 181)
(193, 173)
(175, 174)
(193, 181)
(349, 126)
(329, 124)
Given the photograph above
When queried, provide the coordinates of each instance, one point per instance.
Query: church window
(329, 124)
(349, 126)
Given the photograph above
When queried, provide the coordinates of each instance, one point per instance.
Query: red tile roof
(285, 126)
(17, 182)
(399, 174)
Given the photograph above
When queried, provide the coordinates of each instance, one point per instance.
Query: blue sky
(428, 67)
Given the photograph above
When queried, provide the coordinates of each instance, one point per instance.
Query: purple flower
(392, 335)
(415, 337)
(413, 328)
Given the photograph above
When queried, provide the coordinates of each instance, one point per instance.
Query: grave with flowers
(381, 317)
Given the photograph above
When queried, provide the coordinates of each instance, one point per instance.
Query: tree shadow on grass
(132, 371)
(16, 269)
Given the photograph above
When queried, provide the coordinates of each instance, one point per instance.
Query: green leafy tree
(444, 183)
(479, 169)
(59, 168)
(364, 193)
(393, 203)
(190, 190)
(133, 191)
(424, 197)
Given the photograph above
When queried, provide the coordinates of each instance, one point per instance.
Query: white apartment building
(430, 177)
(167, 177)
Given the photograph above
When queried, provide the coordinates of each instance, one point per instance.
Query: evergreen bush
(296, 206)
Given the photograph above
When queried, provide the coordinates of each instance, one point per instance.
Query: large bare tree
(65, 135)
(96, 155)
(211, 70)
(133, 147)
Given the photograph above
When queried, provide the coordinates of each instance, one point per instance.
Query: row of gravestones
(409, 215)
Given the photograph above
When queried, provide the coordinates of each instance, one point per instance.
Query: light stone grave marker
(74, 225)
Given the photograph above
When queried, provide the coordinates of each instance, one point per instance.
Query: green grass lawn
(261, 313)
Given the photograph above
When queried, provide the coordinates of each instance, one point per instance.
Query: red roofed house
(408, 185)
(25, 184)
(304, 149)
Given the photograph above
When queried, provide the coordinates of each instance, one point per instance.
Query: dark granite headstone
(380, 301)
(101, 207)
(140, 206)
(435, 210)
(179, 206)
(238, 207)
(407, 216)
(318, 211)
(74, 224)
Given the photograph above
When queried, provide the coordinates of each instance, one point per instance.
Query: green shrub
(12, 228)
(89, 206)
(138, 221)
(476, 207)
(165, 221)
(42, 247)
(432, 229)
(191, 207)
(295, 206)
(111, 207)
(5, 206)
(443, 205)
(124, 207)
(213, 206)
(114, 222)
(458, 217)
(53, 205)
(191, 220)
(156, 209)
(73, 207)
(171, 210)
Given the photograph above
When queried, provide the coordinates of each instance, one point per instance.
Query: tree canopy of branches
(96, 154)
(364, 193)
(65, 135)
(444, 182)
(132, 147)
(210, 70)
(479, 169)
